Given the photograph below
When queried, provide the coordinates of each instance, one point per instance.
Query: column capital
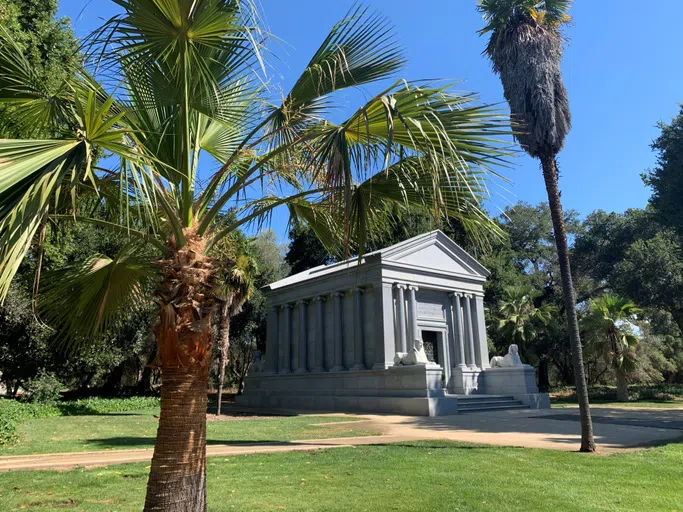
(337, 294)
(287, 306)
(301, 302)
(453, 295)
(359, 290)
(413, 288)
(319, 298)
(400, 286)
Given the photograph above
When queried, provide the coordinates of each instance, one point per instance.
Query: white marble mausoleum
(402, 332)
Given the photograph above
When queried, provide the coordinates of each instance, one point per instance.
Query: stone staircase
(482, 403)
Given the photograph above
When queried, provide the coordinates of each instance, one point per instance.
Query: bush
(44, 389)
(13, 412)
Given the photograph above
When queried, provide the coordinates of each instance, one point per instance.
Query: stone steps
(480, 403)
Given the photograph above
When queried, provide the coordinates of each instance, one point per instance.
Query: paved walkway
(615, 430)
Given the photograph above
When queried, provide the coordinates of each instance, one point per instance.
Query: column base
(358, 367)
(465, 381)
(338, 369)
(284, 372)
(301, 370)
(320, 369)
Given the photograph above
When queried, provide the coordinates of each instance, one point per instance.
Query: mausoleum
(401, 332)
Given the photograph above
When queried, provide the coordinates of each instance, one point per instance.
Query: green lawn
(137, 429)
(431, 476)
(649, 404)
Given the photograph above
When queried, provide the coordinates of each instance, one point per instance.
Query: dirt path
(615, 430)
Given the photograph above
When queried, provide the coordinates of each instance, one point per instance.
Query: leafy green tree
(49, 46)
(651, 272)
(181, 85)
(666, 179)
(609, 331)
(525, 47)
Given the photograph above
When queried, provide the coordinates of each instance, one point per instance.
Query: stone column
(319, 338)
(458, 344)
(480, 338)
(302, 367)
(338, 327)
(414, 330)
(286, 342)
(358, 331)
(401, 317)
(469, 334)
(272, 352)
(384, 339)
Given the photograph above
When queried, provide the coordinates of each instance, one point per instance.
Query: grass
(662, 396)
(137, 429)
(435, 476)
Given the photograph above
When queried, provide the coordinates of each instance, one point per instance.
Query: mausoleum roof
(433, 251)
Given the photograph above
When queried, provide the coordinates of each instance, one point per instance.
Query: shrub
(44, 389)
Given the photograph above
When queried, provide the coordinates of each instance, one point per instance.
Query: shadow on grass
(148, 442)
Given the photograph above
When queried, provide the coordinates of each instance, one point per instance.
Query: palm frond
(88, 297)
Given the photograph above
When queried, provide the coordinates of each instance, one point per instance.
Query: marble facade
(334, 332)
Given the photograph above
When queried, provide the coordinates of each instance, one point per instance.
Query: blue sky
(623, 68)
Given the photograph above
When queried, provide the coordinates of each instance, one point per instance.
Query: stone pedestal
(517, 381)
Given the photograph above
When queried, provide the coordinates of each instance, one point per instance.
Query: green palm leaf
(88, 297)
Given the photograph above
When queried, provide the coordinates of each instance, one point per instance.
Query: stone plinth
(517, 381)
(412, 390)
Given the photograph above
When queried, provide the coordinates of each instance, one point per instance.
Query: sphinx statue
(415, 356)
(509, 360)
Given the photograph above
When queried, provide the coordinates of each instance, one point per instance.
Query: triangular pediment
(434, 251)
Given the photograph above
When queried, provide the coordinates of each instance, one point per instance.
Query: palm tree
(237, 284)
(525, 47)
(173, 83)
(607, 326)
(519, 317)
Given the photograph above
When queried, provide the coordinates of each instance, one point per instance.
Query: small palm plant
(609, 331)
(520, 318)
(237, 283)
(525, 47)
(174, 83)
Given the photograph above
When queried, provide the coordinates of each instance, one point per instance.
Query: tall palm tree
(171, 83)
(525, 47)
(237, 284)
(607, 328)
(519, 316)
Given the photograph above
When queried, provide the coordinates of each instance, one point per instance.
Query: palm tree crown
(525, 48)
(608, 326)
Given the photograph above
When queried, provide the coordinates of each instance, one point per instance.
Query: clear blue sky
(623, 69)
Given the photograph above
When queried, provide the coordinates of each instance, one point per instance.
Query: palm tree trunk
(551, 175)
(177, 479)
(622, 387)
(223, 353)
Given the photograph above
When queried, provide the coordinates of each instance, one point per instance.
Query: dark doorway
(431, 346)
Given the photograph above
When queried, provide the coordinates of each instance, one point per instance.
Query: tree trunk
(177, 479)
(223, 353)
(551, 175)
(543, 377)
(622, 387)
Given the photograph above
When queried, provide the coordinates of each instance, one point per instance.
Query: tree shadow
(148, 442)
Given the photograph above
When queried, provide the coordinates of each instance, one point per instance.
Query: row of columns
(468, 334)
(280, 337)
(469, 331)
